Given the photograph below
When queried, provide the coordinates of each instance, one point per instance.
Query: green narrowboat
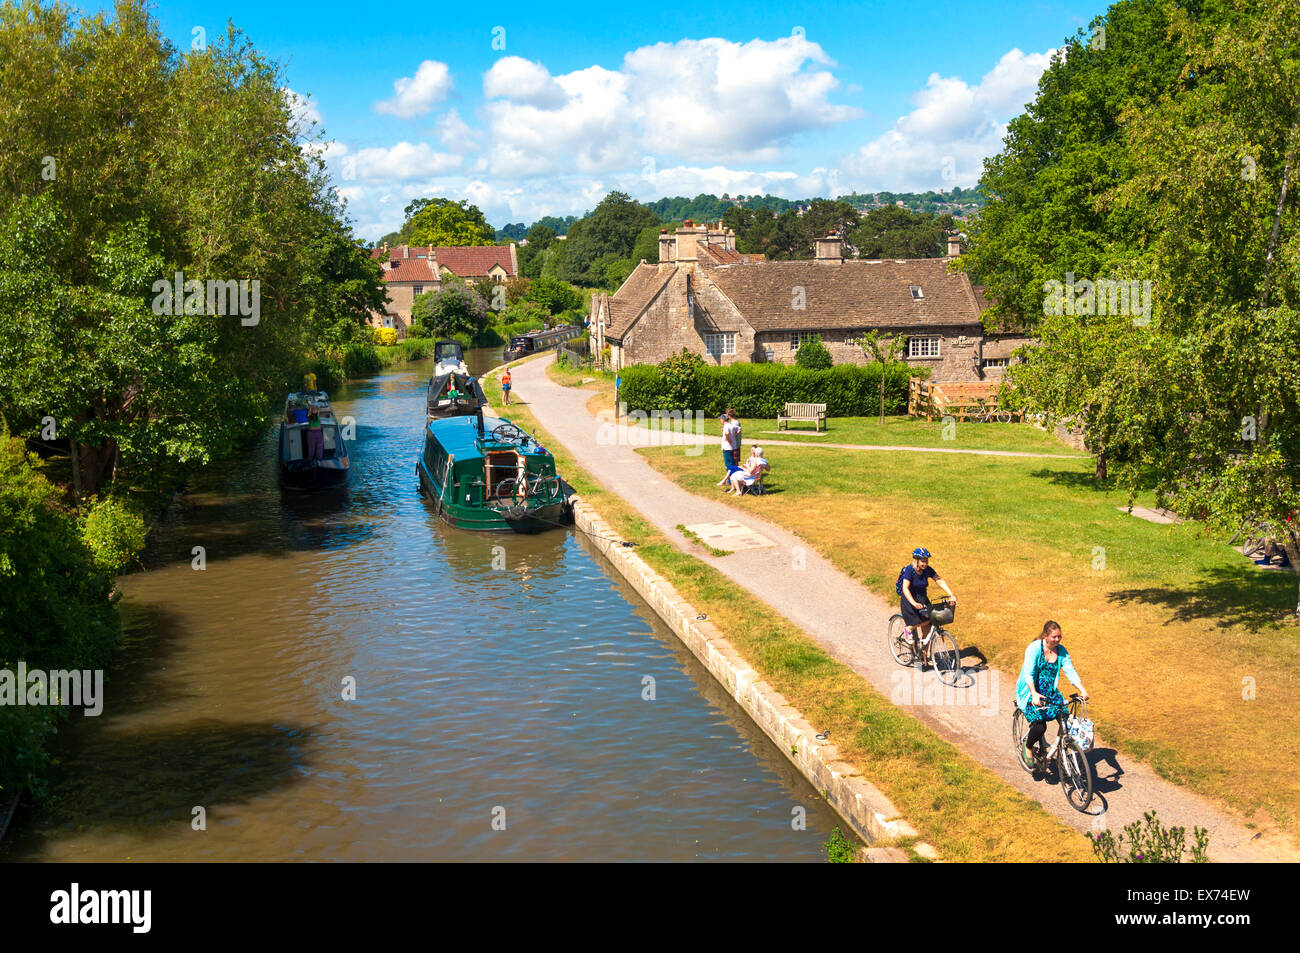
(491, 479)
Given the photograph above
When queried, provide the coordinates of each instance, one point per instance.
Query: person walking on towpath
(1036, 691)
(505, 386)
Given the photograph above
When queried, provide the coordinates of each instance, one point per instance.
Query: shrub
(55, 610)
(813, 354)
(360, 360)
(1150, 843)
(763, 390)
(113, 530)
(838, 848)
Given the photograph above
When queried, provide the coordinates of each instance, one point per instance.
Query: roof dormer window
(917, 293)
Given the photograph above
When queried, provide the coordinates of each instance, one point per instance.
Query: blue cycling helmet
(920, 553)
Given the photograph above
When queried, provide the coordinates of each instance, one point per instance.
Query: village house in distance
(412, 270)
(708, 298)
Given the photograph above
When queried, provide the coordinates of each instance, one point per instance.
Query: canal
(503, 687)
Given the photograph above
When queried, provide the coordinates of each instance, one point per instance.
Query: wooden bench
(802, 412)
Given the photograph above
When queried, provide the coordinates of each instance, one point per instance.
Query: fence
(962, 401)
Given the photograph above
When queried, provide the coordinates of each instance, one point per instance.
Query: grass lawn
(901, 431)
(1177, 637)
(957, 805)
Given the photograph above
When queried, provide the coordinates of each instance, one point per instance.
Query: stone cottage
(411, 270)
(727, 307)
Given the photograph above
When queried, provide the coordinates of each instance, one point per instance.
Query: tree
(446, 222)
(813, 354)
(894, 232)
(455, 309)
(137, 193)
(883, 351)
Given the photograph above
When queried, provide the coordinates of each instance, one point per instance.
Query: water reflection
(492, 673)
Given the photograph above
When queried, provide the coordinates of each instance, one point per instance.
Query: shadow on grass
(1248, 597)
(1073, 479)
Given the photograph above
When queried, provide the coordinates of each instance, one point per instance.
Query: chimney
(667, 246)
(688, 242)
(954, 245)
(830, 250)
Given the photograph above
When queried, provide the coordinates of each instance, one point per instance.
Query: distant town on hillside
(959, 203)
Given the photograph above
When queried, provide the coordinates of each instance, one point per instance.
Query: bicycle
(986, 413)
(938, 648)
(1067, 751)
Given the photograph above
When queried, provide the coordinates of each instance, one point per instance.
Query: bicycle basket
(943, 615)
(1080, 729)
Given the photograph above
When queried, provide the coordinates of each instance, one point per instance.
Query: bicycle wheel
(946, 657)
(900, 645)
(1075, 773)
(1020, 728)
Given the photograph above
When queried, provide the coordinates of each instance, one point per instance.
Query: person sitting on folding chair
(750, 476)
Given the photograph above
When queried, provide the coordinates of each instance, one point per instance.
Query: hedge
(763, 390)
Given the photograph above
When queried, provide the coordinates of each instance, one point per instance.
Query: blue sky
(587, 97)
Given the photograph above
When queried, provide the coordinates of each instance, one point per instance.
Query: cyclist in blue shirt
(1036, 692)
(915, 605)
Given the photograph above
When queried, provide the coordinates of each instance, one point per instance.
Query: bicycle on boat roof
(937, 648)
(1068, 753)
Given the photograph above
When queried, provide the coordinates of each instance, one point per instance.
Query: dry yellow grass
(1170, 633)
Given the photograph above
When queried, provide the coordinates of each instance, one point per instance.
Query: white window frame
(919, 346)
(720, 343)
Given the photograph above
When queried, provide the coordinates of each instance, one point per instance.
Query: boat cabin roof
(459, 437)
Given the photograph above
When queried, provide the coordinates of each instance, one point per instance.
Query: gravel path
(849, 621)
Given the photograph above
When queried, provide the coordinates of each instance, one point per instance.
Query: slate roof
(849, 294)
(635, 295)
(470, 261)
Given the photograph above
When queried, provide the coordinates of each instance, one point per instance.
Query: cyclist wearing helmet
(915, 579)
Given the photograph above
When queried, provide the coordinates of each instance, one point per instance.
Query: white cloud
(943, 141)
(416, 95)
(454, 133)
(401, 162)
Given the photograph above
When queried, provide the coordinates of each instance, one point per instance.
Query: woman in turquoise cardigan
(1036, 691)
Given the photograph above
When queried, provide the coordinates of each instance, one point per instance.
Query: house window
(923, 347)
(917, 292)
(720, 344)
(418, 290)
(995, 362)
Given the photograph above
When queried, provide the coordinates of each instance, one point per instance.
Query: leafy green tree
(441, 221)
(894, 232)
(883, 351)
(455, 309)
(813, 354)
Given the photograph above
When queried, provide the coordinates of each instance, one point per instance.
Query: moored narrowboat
(312, 452)
(490, 479)
(521, 345)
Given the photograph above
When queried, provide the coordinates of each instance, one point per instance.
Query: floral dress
(1044, 675)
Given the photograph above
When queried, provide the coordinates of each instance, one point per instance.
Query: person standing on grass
(505, 386)
(728, 454)
(1036, 691)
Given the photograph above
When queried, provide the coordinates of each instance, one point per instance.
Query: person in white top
(729, 441)
(751, 473)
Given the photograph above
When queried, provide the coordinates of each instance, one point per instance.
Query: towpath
(848, 621)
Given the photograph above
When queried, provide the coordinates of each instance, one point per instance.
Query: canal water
(502, 707)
